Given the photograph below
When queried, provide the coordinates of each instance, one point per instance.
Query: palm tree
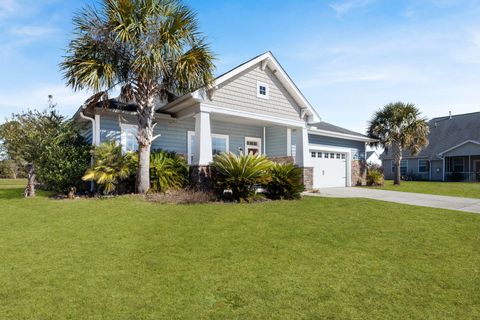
(151, 49)
(399, 126)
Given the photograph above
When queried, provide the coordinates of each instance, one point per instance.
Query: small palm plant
(240, 174)
(167, 171)
(110, 166)
(286, 182)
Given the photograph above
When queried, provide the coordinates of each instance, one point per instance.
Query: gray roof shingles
(333, 128)
(446, 132)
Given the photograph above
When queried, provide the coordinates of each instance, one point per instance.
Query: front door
(253, 145)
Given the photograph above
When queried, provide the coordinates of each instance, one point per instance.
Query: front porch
(462, 168)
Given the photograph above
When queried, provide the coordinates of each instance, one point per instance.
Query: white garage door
(329, 169)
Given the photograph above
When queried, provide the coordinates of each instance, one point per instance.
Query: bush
(110, 166)
(168, 171)
(62, 164)
(240, 174)
(286, 182)
(375, 175)
(8, 169)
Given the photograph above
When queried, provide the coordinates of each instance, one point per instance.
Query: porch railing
(462, 176)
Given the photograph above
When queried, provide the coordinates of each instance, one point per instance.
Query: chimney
(450, 114)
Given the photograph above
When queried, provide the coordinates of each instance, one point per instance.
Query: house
(254, 107)
(453, 153)
(373, 157)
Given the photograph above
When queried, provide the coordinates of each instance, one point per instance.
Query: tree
(152, 49)
(49, 146)
(399, 126)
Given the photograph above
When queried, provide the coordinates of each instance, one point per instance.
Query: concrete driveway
(416, 199)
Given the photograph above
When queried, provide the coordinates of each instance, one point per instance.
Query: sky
(348, 57)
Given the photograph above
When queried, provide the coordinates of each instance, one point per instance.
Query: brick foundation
(282, 160)
(201, 177)
(359, 173)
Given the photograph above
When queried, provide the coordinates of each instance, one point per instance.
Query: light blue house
(254, 107)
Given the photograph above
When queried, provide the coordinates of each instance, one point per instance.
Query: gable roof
(448, 133)
(266, 60)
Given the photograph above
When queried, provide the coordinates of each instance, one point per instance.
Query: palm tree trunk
(30, 188)
(397, 159)
(146, 115)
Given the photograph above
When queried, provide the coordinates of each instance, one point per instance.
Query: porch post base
(307, 177)
(201, 177)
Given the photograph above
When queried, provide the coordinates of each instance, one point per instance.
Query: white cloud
(32, 31)
(8, 8)
(67, 100)
(344, 7)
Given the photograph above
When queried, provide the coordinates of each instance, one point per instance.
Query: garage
(329, 168)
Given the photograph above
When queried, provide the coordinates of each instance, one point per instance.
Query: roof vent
(450, 114)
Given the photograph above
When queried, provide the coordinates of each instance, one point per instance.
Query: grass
(454, 189)
(12, 183)
(318, 258)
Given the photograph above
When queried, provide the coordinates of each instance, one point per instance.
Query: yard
(454, 189)
(125, 258)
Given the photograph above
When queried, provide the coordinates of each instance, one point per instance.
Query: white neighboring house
(255, 107)
(373, 157)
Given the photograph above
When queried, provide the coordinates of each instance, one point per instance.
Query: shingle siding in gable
(240, 93)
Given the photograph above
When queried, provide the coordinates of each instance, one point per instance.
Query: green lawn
(454, 189)
(12, 183)
(317, 258)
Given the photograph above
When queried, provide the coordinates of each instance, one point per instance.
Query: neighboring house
(256, 108)
(453, 153)
(373, 158)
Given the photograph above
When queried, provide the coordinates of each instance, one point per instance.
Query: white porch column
(96, 131)
(302, 156)
(202, 153)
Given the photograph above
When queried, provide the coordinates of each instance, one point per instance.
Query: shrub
(375, 175)
(8, 169)
(63, 163)
(167, 171)
(110, 166)
(240, 174)
(286, 182)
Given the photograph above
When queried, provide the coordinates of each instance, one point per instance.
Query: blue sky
(349, 57)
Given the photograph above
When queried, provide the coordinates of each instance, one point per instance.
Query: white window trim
(256, 139)
(123, 134)
(428, 165)
(191, 134)
(267, 88)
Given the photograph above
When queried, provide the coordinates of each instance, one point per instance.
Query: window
(128, 137)
(320, 154)
(338, 156)
(314, 154)
(220, 144)
(343, 156)
(458, 165)
(253, 145)
(332, 155)
(262, 90)
(423, 166)
(403, 167)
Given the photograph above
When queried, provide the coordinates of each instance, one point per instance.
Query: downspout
(94, 141)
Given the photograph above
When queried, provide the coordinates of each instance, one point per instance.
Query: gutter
(92, 120)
